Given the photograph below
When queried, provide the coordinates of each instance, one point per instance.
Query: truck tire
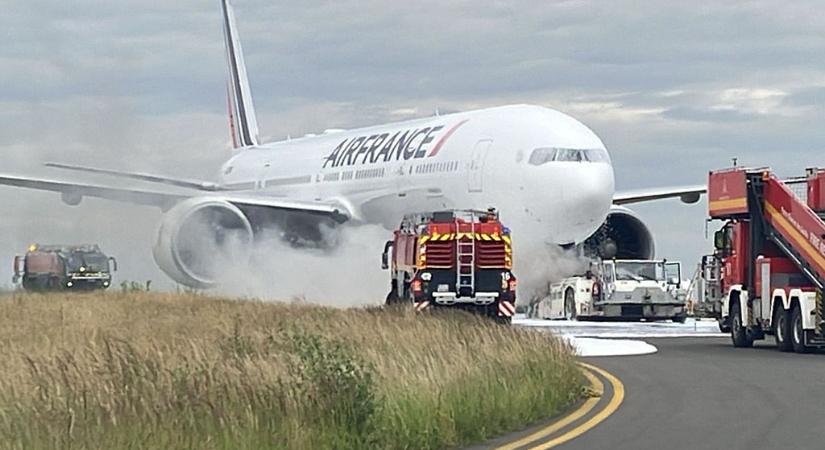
(738, 333)
(782, 330)
(724, 325)
(569, 305)
(681, 318)
(797, 332)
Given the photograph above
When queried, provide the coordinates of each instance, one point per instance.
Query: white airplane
(546, 172)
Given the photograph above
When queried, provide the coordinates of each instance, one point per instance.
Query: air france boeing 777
(546, 172)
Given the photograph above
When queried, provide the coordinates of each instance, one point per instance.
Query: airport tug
(453, 259)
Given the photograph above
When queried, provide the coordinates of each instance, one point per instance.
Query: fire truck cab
(456, 258)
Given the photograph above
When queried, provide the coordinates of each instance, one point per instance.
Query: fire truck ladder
(465, 257)
(784, 239)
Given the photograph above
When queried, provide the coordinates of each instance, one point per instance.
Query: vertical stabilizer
(242, 120)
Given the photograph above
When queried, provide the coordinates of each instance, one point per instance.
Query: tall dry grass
(138, 370)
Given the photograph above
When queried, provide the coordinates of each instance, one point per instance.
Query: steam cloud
(348, 275)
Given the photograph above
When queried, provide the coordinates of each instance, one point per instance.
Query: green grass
(139, 370)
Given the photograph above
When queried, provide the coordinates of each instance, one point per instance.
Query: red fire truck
(770, 256)
(457, 258)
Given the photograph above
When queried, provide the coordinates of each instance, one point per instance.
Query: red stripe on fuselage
(444, 138)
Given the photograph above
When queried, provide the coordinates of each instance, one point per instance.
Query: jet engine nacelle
(196, 237)
(623, 236)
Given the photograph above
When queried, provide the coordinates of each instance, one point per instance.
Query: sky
(674, 89)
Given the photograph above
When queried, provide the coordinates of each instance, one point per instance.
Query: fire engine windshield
(96, 262)
(92, 262)
(640, 271)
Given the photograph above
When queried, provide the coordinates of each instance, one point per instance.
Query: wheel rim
(737, 321)
(797, 329)
(780, 327)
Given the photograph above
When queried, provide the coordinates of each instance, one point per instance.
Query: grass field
(140, 370)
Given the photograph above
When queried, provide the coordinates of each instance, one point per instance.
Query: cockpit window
(542, 155)
(597, 155)
(545, 155)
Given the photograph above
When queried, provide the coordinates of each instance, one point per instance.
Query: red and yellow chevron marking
(796, 237)
(506, 309)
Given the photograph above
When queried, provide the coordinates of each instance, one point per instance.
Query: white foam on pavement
(691, 328)
(619, 338)
(609, 347)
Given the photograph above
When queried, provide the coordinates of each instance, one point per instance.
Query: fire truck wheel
(569, 305)
(724, 327)
(782, 330)
(738, 333)
(797, 333)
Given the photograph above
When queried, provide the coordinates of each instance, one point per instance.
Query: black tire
(679, 319)
(569, 305)
(738, 333)
(392, 296)
(782, 329)
(724, 327)
(797, 333)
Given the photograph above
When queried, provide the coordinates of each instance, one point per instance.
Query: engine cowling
(197, 236)
(623, 235)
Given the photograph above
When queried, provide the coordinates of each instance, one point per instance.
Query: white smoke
(537, 264)
(347, 275)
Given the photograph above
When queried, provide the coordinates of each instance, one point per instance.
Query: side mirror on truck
(385, 257)
(114, 263)
(719, 240)
(18, 268)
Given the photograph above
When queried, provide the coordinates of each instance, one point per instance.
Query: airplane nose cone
(589, 194)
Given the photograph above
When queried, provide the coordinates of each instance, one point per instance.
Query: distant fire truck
(60, 267)
(457, 259)
(618, 290)
(767, 273)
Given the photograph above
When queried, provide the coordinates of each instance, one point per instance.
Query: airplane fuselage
(546, 172)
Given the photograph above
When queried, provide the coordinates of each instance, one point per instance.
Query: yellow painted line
(612, 406)
(580, 412)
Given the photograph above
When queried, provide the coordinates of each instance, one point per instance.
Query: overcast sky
(673, 89)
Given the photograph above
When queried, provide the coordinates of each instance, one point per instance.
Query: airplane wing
(74, 192)
(192, 184)
(688, 194)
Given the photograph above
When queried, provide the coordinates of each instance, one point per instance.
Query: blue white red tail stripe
(243, 121)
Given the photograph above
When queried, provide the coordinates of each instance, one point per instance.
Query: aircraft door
(260, 182)
(476, 169)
